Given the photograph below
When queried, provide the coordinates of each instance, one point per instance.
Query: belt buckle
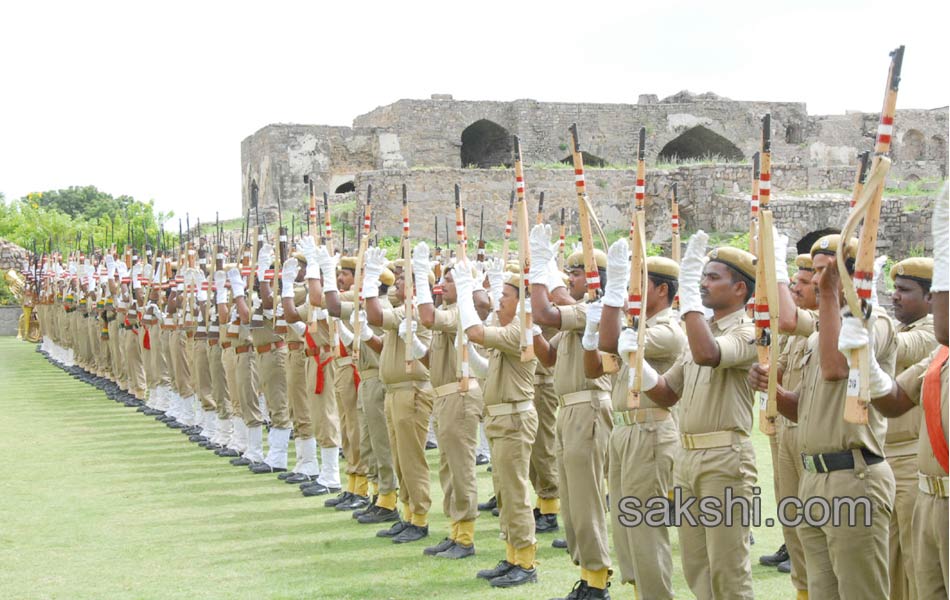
(619, 420)
(808, 463)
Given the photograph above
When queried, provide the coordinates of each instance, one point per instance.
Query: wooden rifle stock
(675, 249)
(857, 291)
(587, 240)
(765, 298)
(407, 280)
(461, 348)
(358, 273)
(637, 286)
(508, 222)
(524, 258)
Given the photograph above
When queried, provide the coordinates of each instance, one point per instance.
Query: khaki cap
(660, 266)
(803, 262)
(917, 268)
(828, 244)
(577, 259)
(740, 260)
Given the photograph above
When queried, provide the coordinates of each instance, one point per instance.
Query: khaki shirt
(915, 342)
(442, 355)
(508, 379)
(664, 341)
(569, 367)
(717, 398)
(318, 329)
(791, 359)
(912, 382)
(393, 359)
(821, 424)
(300, 298)
(369, 358)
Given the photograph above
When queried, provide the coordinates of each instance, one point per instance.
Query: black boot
(773, 560)
(515, 576)
(492, 503)
(500, 569)
(544, 523)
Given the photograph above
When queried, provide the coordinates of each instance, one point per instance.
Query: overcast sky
(154, 101)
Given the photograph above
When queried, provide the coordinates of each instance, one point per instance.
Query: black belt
(836, 461)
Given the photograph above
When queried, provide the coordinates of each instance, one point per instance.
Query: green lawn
(99, 501)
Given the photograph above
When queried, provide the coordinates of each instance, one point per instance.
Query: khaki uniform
(246, 375)
(583, 429)
(219, 384)
(408, 407)
(915, 342)
(930, 518)
(643, 445)
(543, 469)
(345, 375)
(510, 424)
(789, 469)
(132, 351)
(271, 353)
(457, 416)
(715, 418)
(322, 405)
(835, 569)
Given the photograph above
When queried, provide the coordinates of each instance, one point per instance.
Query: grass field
(99, 501)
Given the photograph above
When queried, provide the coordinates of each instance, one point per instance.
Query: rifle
(358, 273)
(437, 269)
(511, 214)
(867, 207)
(461, 348)
(407, 279)
(765, 309)
(638, 283)
(539, 217)
(754, 219)
(587, 241)
(524, 258)
(560, 249)
(481, 238)
(860, 177)
(675, 250)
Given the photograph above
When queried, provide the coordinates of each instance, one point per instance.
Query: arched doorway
(346, 186)
(913, 146)
(590, 160)
(486, 144)
(700, 143)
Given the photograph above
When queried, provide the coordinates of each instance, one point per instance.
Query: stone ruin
(701, 142)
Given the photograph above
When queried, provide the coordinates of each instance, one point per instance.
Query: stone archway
(913, 146)
(486, 144)
(346, 186)
(700, 143)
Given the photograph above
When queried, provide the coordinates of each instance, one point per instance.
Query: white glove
(591, 337)
(418, 349)
(122, 270)
(264, 259)
(555, 276)
(366, 332)
(477, 363)
(618, 273)
(374, 261)
(346, 336)
(288, 273)
(691, 273)
(221, 292)
(853, 336)
(110, 266)
(878, 269)
(780, 247)
(159, 269)
(147, 272)
(542, 252)
(496, 280)
(420, 273)
(299, 327)
(319, 313)
(627, 344)
(308, 247)
(201, 295)
(327, 265)
(237, 283)
(941, 235)
(465, 287)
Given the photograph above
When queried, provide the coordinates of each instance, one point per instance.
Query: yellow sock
(454, 531)
(524, 557)
(801, 595)
(407, 513)
(596, 579)
(350, 480)
(465, 533)
(419, 520)
(510, 553)
(549, 506)
(374, 488)
(361, 487)
(636, 592)
(387, 501)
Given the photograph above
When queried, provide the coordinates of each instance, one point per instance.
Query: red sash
(321, 378)
(932, 416)
(356, 373)
(146, 340)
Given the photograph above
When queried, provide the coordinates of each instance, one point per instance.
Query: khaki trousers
(372, 396)
(583, 431)
(203, 375)
(346, 397)
(716, 560)
(931, 546)
(157, 356)
(849, 562)
(115, 349)
(543, 468)
(458, 417)
(179, 351)
(168, 341)
(900, 554)
(297, 396)
(789, 475)
(133, 362)
(641, 466)
(247, 385)
(219, 384)
(407, 417)
(229, 362)
(273, 370)
(511, 438)
(323, 407)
